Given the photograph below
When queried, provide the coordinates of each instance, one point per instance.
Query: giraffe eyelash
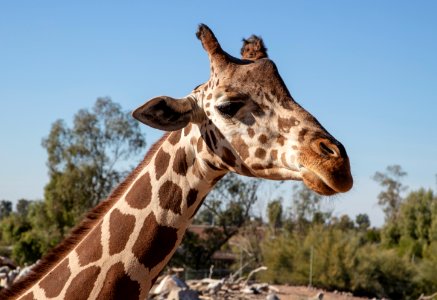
(230, 109)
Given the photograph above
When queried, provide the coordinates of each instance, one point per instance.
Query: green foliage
(306, 208)
(413, 230)
(396, 262)
(342, 260)
(84, 163)
(382, 273)
(83, 160)
(226, 209)
(280, 255)
(362, 221)
(275, 214)
(5, 208)
(426, 275)
(22, 207)
(390, 198)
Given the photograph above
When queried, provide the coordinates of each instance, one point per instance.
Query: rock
(272, 297)
(250, 290)
(4, 270)
(168, 283)
(24, 271)
(260, 287)
(214, 286)
(4, 261)
(319, 296)
(181, 294)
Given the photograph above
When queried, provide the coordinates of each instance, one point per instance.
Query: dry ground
(305, 293)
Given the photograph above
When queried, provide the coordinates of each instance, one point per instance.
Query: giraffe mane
(78, 232)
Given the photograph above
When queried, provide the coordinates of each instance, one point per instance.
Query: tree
(22, 207)
(5, 208)
(414, 224)
(228, 208)
(390, 198)
(362, 221)
(307, 207)
(344, 223)
(84, 160)
(275, 214)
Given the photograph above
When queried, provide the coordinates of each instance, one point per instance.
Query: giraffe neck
(124, 252)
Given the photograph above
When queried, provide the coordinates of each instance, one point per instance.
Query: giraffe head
(251, 124)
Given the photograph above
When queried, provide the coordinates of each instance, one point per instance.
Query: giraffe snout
(326, 166)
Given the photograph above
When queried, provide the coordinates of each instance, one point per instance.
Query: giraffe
(243, 120)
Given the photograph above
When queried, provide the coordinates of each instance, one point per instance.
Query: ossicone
(253, 48)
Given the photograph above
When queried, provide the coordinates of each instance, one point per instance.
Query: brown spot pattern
(302, 135)
(264, 167)
(284, 159)
(209, 96)
(175, 137)
(140, 194)
(191, 197)
(170, 197)
(154, 242)
(120, 228)
(241, 147)
(187, 129)
(257, 166)
(199, 145)
(29, 296)
(274, 154)
(260, 153)
(118, 285)
(284, 124)
(228, 157)
(82, 285)
(161, 163)
(281, 140)
(54, 282)
(250, 132)
(262, 139)
(180, 165)
(90, 249)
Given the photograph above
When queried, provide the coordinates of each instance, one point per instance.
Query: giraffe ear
(165, 113)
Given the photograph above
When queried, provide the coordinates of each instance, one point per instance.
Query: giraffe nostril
(327, 148)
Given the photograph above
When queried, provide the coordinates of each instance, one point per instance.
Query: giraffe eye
(230, 109)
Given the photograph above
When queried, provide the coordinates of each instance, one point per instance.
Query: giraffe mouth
(316, 182)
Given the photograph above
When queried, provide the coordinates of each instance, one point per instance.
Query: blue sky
(366, 69)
